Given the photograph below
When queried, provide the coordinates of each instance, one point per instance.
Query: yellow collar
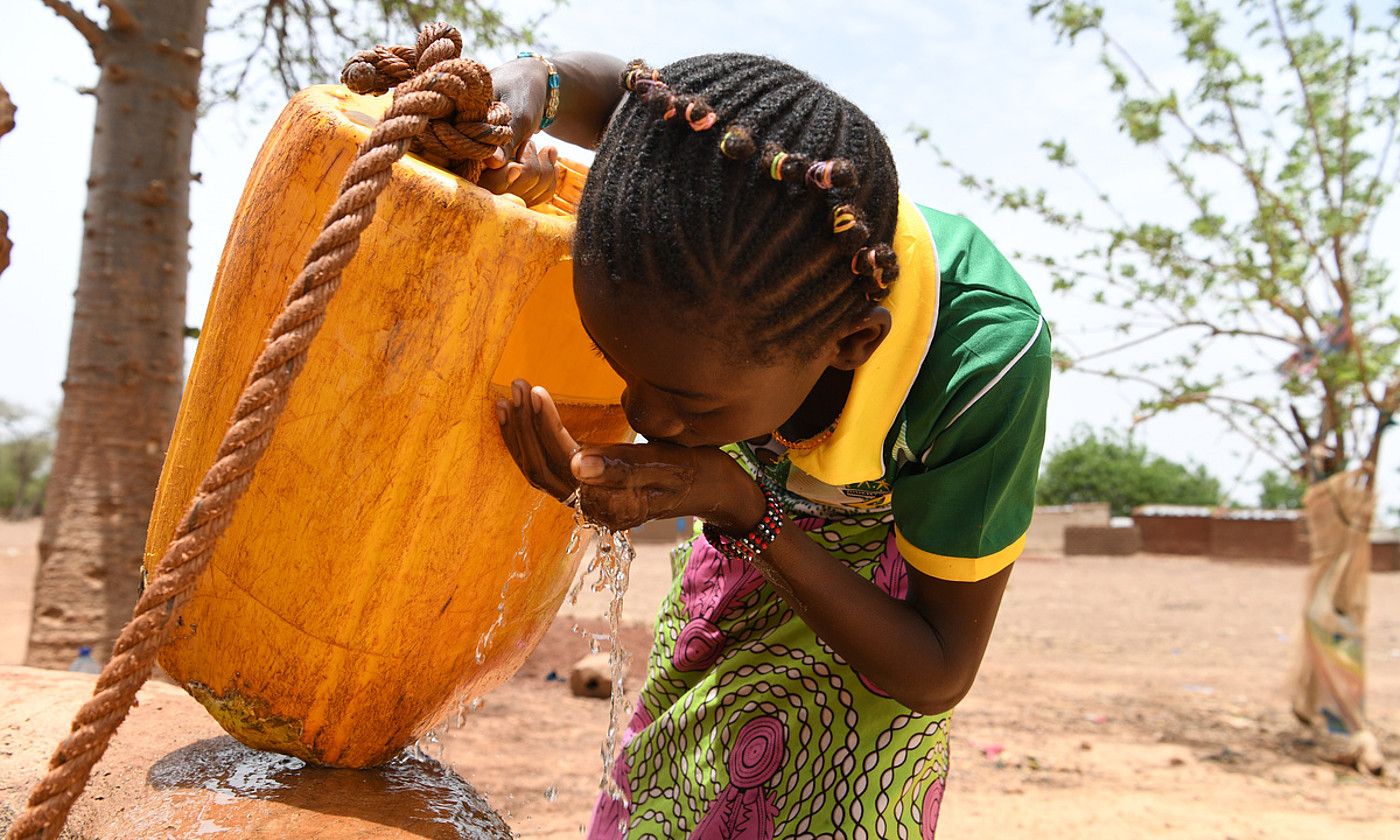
(855, 450)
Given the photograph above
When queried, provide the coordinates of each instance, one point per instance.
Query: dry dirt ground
(1137, 697)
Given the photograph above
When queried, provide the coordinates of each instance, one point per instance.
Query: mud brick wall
(1102, 540)
(1047, 532)
(1267, 540)
(1385, 557)
(1174, 534)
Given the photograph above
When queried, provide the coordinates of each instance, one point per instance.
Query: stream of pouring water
(609, 565)
(612, 563)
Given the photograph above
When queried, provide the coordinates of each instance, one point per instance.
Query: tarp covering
(1330, 681)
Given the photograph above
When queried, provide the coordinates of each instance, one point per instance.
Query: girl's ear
(854, 347)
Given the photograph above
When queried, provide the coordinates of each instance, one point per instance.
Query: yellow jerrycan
(386, 530)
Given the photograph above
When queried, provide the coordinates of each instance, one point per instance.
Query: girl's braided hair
(739, 180)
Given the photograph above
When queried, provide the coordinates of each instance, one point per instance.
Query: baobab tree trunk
(126, 352)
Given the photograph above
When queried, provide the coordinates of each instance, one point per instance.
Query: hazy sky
(988, 82)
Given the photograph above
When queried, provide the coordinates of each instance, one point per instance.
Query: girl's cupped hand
(624, 485)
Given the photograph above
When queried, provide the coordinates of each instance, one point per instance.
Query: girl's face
(682, 386)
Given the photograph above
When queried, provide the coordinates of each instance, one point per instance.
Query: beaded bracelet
(552, 107)
(757, 541)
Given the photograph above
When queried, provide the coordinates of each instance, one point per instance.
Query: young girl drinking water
(846, 387)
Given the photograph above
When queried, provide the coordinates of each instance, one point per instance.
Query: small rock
(1085, 746)
(590, 677)
(1177, 761)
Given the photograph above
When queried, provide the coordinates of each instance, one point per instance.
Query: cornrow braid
(849, 226)
(783, 165)
(826, 174)
(737, 143)
(698, 216)
(665, 103)
(877, 263)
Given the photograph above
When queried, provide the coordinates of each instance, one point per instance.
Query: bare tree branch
(86, 26)
(119, 17)
(1202, 398)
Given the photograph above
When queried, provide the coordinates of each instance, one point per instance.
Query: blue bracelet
(552, 107)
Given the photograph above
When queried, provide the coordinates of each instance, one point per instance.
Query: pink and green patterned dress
(748, 725)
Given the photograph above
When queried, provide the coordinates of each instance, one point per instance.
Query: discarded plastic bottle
(84, 663)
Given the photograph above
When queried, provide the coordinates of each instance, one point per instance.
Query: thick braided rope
(429, 95)
(477, 126)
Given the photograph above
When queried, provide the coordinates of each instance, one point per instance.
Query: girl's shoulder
(969, 262)
(990, 342)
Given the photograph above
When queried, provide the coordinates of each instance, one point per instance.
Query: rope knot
(431, 80)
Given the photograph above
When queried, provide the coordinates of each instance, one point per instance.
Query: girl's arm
(924, 651)
(588, 94)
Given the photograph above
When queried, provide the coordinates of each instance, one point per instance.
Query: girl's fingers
(517, 432)
(529, 177)
(502, 179)
(503, 415)
(523, 421)
(533, 449)
(555, 437)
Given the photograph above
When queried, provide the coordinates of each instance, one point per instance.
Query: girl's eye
(596, 350)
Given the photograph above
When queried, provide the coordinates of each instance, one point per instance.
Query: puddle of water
(410, 792)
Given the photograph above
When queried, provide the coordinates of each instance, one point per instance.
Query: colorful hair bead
(843, 218)
(819, 174)
(871, 259)
(775, 166)
(701, 123)
(737, 143)
(637, 74)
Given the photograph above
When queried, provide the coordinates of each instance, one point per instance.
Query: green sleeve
(961, 510)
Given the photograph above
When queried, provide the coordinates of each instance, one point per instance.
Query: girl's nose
(649, 419)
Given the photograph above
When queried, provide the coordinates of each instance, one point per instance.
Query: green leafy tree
(126, 347)
(1262, 301)
(1280, 491)
(1105, 467)
(25, 447)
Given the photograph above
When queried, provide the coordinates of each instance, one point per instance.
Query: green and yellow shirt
(945, 423)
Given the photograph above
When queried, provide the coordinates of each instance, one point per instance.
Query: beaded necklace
(810, 443)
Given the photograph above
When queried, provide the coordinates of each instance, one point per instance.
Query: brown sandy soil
(1121, 697)
(19, 559)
